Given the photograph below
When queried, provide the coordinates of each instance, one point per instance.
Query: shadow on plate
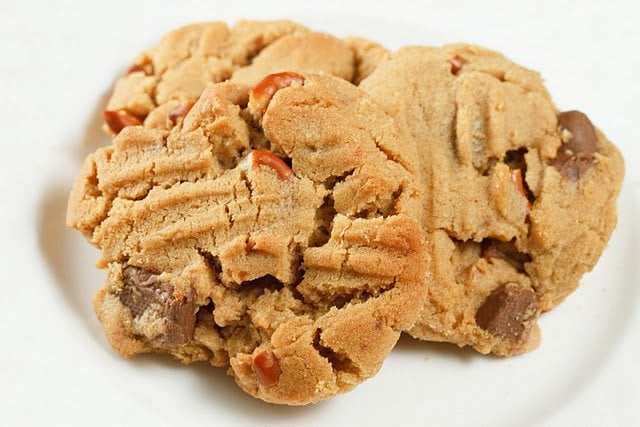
(221, 390)
(65, 251)
(426, 349)
(60, 249)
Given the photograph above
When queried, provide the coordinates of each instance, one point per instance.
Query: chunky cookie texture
(274, 230)
(519, 198)
(186, 60)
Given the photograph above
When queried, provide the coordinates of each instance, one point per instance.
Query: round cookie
(274, 230)
(178, 69)
(520, 199)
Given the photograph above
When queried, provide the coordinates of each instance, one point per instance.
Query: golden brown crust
(477, 118)
(319, 269)
(368, 54)
(190, 57)
(179, 68)
(299, 52)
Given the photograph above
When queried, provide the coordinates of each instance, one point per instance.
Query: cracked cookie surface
(520, 199)
(275, 231)
(186, 60)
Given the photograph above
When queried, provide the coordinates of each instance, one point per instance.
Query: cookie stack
(285, 203)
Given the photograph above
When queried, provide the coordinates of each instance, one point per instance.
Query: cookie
(367, 55)
(520, 199)
(274, 230)
(178, 69)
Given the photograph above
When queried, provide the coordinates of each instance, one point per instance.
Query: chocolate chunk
(575, 156)
(584, 138)
(142, 288)
(180, 321)
(505, 250)
(576, 166)
(508, 311)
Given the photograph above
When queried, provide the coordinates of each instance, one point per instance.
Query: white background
(57, 63)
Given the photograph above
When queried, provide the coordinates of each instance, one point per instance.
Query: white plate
(58, 64)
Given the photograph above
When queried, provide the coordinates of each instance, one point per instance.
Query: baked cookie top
(519, 198)
(186, 60)
(275, 230)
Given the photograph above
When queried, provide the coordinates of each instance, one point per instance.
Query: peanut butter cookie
(178, 69)
(520, 199)
(273, 230)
